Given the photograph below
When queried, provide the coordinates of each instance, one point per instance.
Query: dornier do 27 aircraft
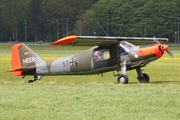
(116, 54)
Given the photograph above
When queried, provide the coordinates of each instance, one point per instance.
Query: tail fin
(23, 58)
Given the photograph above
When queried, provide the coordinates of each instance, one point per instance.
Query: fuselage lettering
(28, 60)
(65, 63)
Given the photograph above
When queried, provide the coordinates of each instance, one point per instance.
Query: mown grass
(89, 101)
(91, 96)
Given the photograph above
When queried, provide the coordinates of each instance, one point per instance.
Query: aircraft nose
(163, 47)
(160, 49)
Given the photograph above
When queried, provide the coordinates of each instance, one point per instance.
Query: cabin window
(100, 55)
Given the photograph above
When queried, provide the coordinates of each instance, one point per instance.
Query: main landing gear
(123, 78)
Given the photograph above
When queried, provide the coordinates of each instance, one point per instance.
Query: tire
(144, 79)
(122, 79)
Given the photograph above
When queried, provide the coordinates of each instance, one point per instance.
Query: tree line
(49, 20)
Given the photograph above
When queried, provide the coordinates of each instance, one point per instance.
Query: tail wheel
(144, 79)
(35, 78)
(123, 78)
(30, 81)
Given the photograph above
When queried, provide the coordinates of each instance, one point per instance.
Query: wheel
(144, 79)
(146, 76)
(122, 79)
(30, 81)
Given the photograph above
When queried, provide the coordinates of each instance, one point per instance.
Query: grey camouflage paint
(82, 63)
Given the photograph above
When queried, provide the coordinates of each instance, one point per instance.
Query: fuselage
(102, 59)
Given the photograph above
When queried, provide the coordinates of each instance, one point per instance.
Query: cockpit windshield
(124, 48)
(126, 44)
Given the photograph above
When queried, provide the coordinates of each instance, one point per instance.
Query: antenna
(101, 28)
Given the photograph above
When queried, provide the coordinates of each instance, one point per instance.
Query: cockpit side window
(123, 50)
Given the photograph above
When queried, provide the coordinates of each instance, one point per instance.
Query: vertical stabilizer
(23, 57)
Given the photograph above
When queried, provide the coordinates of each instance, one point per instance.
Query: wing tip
(166, 40)
(65, 40)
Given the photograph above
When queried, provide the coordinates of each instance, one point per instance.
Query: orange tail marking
(16, 59)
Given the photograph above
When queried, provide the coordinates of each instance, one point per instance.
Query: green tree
(62, 15)
(86, 24)
(33, 23)
(11, 16)
(133, 18)
(86, 17)
(94, 20)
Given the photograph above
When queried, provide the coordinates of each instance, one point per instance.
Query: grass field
(90, 97)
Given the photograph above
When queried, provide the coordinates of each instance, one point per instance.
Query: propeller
(161, 47)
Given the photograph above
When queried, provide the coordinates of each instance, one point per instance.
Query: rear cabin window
(100, 55)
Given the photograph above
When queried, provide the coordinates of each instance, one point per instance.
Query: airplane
(117, 54)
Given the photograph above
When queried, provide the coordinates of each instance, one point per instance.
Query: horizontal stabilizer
(20, 69)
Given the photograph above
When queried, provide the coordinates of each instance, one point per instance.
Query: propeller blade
(156, 40)
(170, 53)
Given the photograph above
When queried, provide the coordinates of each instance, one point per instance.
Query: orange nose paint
(159, 49)
(164, 47)
(146, 51)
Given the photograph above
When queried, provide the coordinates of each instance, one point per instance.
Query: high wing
(105, 40)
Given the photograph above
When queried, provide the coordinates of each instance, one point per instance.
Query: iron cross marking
(73, 62)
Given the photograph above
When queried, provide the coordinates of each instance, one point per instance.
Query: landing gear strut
(142, 77)
(123, 78)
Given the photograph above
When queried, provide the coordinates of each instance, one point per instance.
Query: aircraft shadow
(155, 82)
(165, 82)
